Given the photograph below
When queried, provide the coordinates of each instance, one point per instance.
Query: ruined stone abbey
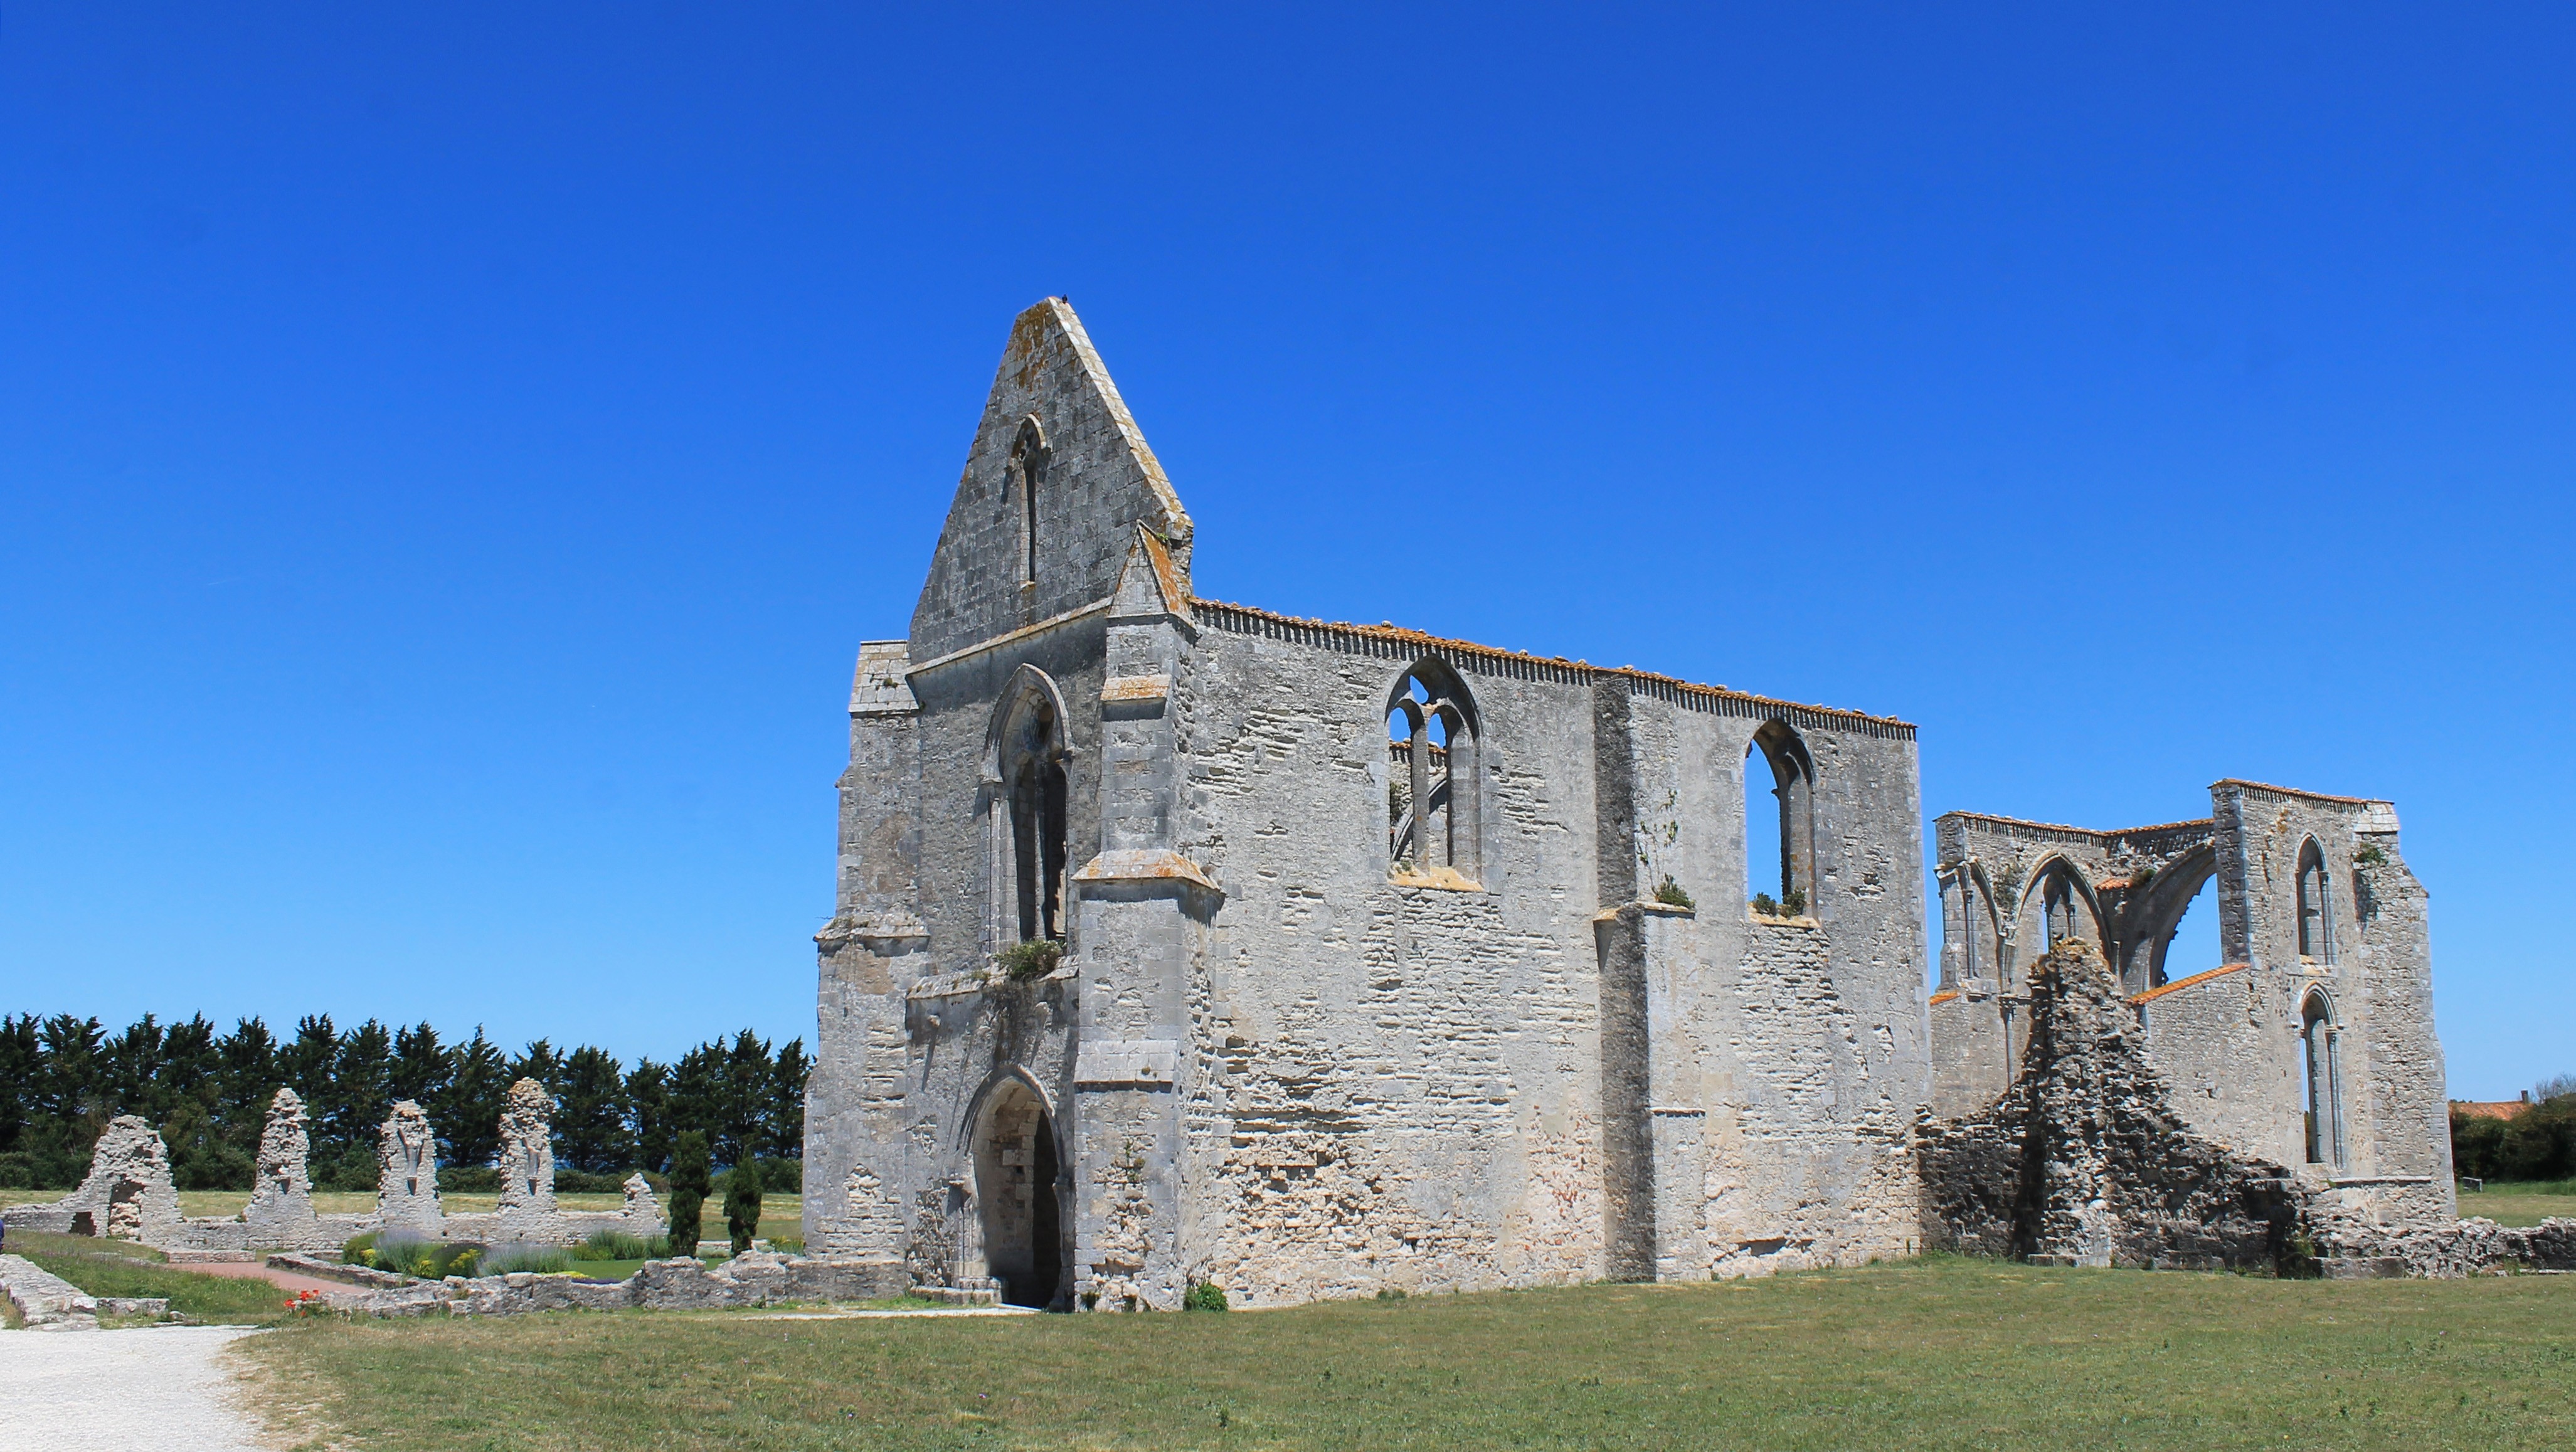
(1179, 942)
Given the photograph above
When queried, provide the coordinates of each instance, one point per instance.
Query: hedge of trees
(63, 1078)
(2537, 1144)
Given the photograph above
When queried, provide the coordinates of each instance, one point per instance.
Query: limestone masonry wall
(1331, 1014)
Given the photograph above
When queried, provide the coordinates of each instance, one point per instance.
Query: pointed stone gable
(1055, 421)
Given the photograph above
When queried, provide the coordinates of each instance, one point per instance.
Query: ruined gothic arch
(1981, 922)
(1436, 763)
(1793, 786)
(2149, 924)
(1013, 1148)
(2321, 1077)
(2316, 905)
(2056, 904)
(1026, 802)
(1024, 475)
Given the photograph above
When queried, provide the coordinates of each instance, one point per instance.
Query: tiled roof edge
(2178, 985)
(1215, 612)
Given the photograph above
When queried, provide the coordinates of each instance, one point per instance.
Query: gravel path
(120, 1391)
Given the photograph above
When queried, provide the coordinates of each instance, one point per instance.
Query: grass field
(113, 1268)
(1938, 1354)
(2520, 1204)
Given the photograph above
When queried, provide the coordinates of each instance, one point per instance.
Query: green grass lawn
(113, 1268)
(1936, 1354)
(2507, 1203)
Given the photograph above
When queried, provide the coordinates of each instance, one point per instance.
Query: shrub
(501, 1260)
(2369, 856)
(1032, 959)
(742, 1204)
(412, 1256)
(469, 1180)
(688, 1190)
(1763, 904)
(1795, 903)
(2537, 1144)
(615, 1245)
(1670, 893)
(1203, 1296)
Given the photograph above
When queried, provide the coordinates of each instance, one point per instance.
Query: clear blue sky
(449, 456)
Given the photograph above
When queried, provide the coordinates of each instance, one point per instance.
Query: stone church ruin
(1180, 941)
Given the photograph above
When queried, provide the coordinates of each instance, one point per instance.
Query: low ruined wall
(679, 1284)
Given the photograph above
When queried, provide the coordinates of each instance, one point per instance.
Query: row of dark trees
(63, 1078)
(2537, 1144)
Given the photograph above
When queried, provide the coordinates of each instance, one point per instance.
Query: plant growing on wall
(1764, 904)
(688, 1190)
(1670, 893)
(1033, 959)
(1794, 905)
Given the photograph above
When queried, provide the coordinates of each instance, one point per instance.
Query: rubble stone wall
(2084, 1161)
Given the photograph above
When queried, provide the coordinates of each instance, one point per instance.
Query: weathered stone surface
(2084, 1160)
(1335, 1012)
(281, 1196)
(45, 1301)
(527, 1208)
(127, 1194)
(2324, 961)
(407, 1172)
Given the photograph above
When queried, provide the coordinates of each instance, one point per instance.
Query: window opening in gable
(1027, 475)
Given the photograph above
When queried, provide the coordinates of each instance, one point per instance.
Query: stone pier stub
(281, 1196)
(407, 1172)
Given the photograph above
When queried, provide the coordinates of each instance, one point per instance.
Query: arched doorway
(1015, 1191)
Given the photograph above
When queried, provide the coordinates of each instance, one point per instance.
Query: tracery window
(1432, 783)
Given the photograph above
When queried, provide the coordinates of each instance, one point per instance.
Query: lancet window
(1025, 782)
(2316, 920)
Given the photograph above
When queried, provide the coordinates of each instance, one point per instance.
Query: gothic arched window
(1780, 832)
(1026, 473)
(2321, 1080)
(1432, 797)
(1025, 778)
(2316, 918)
